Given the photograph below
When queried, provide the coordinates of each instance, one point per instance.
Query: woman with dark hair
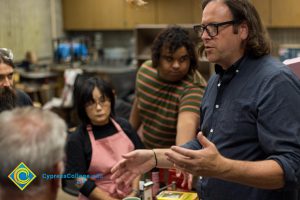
(99, 142)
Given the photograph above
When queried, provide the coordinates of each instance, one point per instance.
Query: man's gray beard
(8, 98)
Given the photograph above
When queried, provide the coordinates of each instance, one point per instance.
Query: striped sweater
(160, 102)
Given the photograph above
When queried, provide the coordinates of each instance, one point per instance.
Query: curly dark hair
(258, 42)
(173, 38)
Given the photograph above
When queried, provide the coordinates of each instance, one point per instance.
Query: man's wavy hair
(173, 38)
(258, 41)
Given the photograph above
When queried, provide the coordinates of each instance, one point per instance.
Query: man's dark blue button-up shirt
(251, 112)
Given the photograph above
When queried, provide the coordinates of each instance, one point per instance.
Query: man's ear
(243, 30)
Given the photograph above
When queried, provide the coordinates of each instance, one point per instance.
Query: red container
(172, 177)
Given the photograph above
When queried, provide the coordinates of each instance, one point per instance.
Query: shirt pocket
(239, 118)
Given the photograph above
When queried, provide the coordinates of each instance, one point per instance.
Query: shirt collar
(227, 75)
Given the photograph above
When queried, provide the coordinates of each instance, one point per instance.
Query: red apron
(105, 153)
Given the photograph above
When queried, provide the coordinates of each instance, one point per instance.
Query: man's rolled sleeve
(193, 145)
(291, 171)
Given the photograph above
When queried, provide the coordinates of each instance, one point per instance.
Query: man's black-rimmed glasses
(212, 29)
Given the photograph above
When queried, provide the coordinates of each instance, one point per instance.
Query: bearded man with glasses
(9, 96)
(249, 144)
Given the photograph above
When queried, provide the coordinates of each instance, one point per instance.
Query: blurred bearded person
(7, 98)
(10, 97)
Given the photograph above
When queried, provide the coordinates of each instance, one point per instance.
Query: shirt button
(219, 84)
(237, 71)
(217, 106)
(211, 130)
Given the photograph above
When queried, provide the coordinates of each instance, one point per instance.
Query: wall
(58, 19)
(28, 25)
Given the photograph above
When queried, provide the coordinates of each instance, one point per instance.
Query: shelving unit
(145, 34)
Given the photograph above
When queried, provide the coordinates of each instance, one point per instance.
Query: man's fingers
(180, 168)
(190, 181)
(181, 162)
(187, 153)
(184, 180)
(178, 172)
(203, 140)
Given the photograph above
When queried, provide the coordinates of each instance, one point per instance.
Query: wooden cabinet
(110, 14)
(174, 11)
(285, 13)
(93, 14)
(264, 10)
(164, 12)
(74, 13)
(197, 11)
(278, 13)
(140, 15)
(117, 14)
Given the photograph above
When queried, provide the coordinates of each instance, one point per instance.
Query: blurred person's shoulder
(23, 98)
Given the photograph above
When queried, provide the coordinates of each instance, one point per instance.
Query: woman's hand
(134, 164)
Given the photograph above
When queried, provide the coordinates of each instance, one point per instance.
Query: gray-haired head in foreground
(33, 136)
